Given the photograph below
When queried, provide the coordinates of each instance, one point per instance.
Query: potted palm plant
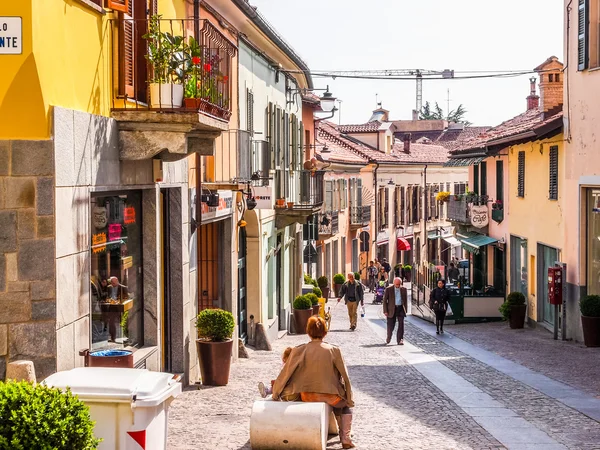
(214, 345)
(338, 280)
(323, 283)
(166, 54)
(513, 310)
(590, 320)
(303, 309)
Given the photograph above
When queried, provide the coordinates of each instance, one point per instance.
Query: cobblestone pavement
(396, 406)
(537, 350)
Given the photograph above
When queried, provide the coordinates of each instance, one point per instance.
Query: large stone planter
(591, 331)
(215, 361)
(517, 316)
(301, 317)
(316, 309)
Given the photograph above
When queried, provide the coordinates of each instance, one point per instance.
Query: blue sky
(459, 35)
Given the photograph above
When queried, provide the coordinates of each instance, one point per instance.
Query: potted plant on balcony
(214, 345)
(323, 283)
(314, 300)
(590, 320)
(442, 197)
(166, 54)
(513, 310)
(303, 309)
(497, 211)
(338, 280)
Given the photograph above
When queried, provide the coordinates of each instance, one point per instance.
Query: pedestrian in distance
(372, 273)
(453, 273)
(438, 302)
(386, 266)
(395, 303)
(353, 293)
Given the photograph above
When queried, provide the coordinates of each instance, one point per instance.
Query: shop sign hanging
(98, 242)
(100, 218)
(479, 216)
(129, 215)
(114, 232)
(225, 207)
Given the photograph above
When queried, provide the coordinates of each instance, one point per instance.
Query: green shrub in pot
(215, 325)
(338, 278)
(318, 292)
(302, 302)
(42, 417)
(513, 299)
(590, 306)
(323, 282)
(590, 320)
(314, 300)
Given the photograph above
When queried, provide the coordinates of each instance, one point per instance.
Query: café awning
(475, 241)
(402, 244)
(452, 241)
(464, 162)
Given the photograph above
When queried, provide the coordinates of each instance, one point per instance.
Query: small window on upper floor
(551, 77)
(557, 78)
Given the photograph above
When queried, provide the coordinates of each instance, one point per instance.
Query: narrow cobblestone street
(424, 395)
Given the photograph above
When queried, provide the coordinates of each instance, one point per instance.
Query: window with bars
(553, 181)
(521, 175)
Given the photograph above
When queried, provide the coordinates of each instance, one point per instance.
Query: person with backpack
(353, 293)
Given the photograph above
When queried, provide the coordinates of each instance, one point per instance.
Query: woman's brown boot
(345, 428)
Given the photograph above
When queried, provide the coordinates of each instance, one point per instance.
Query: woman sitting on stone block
(316, 372)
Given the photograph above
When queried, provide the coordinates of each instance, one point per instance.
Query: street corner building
(132, 196)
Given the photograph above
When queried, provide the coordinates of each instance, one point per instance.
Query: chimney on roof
(551, 85)
(533, 100)
(406, 143)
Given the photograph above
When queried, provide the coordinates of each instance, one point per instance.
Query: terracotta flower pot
(215, 361)
(192, 103)
(325, 291)
(591, 331)
(517, 316)
(316, 309)
(301, 317)
(290, 205)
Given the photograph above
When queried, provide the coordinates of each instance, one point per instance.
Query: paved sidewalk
(407, 397)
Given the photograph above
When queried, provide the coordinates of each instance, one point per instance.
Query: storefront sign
(99, 217)
(11, 36)
(263, 196)
(225, 207)
(114, 232)
(129, 215)
(98, 242)
(479, 216)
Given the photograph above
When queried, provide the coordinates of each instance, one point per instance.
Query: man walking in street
(395, 302)
(353, 291)
(372, 272)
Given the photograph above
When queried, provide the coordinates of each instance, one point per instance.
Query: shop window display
(593, 251)
(116, 271)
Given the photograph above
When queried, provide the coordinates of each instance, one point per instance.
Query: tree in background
(436, 113)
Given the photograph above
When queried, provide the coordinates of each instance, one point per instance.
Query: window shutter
(118, 5)
(301, 146)
(420, 202)
(127, 51)
(499, 180)
(553, 188)
(521, 175)
(359, 192)
(402, 206)
(476, 179)
(582, 35)
(483, 177)
(387, 204)
(396, 207)
(329, 195)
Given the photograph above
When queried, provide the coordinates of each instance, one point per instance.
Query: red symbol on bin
(139, 437)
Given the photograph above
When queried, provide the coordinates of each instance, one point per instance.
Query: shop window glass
(116, 271)
(593, 262)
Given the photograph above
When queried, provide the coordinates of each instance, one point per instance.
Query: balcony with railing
(360, 216)
(304, 192)
(459, 207)
(174, 76)
(328, 224)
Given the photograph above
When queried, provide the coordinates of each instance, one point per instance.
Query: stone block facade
(27, 248)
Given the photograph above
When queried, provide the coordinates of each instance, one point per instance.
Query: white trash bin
(130, 406)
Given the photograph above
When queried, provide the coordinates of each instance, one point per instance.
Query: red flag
(139, 437)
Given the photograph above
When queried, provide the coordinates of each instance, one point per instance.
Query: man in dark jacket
(353, 291)
(438, 302)
(395, 302)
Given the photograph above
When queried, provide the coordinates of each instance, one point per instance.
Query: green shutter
(553, 175)
(582, 35)
(500, 180)
(483, 176)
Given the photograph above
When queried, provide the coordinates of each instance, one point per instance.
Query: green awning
(476, 241)
(464, 162)
(433, 235)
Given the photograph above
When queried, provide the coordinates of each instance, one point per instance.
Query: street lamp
(327, 101)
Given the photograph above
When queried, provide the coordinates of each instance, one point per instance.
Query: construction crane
(398, 74)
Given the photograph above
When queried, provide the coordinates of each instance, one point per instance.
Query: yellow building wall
(535, 217)
(66, 61)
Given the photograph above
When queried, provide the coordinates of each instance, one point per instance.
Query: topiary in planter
(41, 417)
(590, 320)
(338, 278)
(215, 325)
(357, 276)
(309, 280)
(323, 282)
(590, 306)
(314, 300)
(318, 292)
(302, 302)
(513, 309)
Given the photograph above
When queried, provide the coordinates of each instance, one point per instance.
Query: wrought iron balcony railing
(360, 215)
(328, 223)
(172, 65)
(312, 188)
(458, 207)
